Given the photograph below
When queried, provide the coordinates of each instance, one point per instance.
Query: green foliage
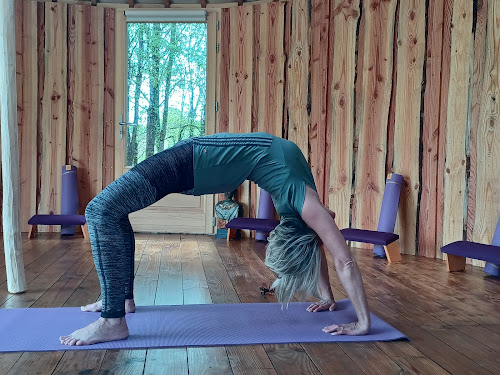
(166, 85)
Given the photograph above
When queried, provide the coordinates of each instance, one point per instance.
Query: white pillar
(14, 264)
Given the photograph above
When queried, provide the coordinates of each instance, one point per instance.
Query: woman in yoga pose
(215, 164)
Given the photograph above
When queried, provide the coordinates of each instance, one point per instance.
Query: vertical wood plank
(223, 113)
(240, 84)
(430, 132)
(320, 30)
(271, 68)
(27, 106)
(345, 19)
(488, 135)
(298, 76)
(108, 174)
(476, 105)
(86, 94)
(54, 116)
(443, 113)
(411, 42)
(372, 112)
(457, 116)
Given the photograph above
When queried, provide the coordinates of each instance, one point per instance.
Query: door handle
(121, 123)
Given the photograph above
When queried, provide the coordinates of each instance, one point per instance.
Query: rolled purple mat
(490, 268)
(266, 211)
(389, 209)
(69, 196)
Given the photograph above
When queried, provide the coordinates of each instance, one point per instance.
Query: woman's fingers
(322, 306)
(342, 329)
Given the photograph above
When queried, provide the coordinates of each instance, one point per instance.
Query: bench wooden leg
(85, 230)
(455, 263)
(392, 252)
(31, 232)
(231, 234)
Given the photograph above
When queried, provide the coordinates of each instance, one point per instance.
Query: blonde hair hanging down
(293, 254)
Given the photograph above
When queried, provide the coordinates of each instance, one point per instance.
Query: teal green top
(221, 162)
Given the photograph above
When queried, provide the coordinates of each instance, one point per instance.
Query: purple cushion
(57, 220)
(369, 236)
(474, 250)
(262, 225)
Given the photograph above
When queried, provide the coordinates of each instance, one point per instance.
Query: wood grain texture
(240, 84)
(372, 112)
(443, 113)
(54, 107)
(27, 106)
(488, 135)
(411, 50)
(430, 132)
(108, 174)
(319, 91)
(224, 72)
(85, 99)
(345, 19)
(271, 66)
(455, 164)
(298, 76)
(480, 41)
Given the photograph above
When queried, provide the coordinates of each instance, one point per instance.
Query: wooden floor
(453, 320)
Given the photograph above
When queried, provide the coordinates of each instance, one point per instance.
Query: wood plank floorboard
(452, 319)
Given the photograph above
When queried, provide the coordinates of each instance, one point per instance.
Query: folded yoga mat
(26, 330)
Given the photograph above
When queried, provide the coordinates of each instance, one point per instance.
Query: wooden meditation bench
(261, 225)
(57, 220)
(385, 239)
(456, 252)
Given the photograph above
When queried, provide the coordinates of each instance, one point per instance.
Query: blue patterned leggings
(111, 235)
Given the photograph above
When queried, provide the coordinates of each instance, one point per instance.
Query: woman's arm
(320, 220)
(327, 301)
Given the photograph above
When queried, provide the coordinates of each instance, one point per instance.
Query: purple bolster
(69, 196)
(57, 220)
(264, 225)
(266, 211)
(389, 209)
(369, 236)
(494, 269)
(473, 250)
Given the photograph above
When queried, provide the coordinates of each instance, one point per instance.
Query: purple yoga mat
(27, 330)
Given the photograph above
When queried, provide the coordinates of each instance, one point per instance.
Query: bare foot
(102, 330)
(97, 306)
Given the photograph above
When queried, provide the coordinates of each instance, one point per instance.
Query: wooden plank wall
(389, 87)
(365, 88)
(61, 69)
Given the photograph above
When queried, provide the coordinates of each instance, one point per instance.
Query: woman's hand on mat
(346, 329)
(322, 306)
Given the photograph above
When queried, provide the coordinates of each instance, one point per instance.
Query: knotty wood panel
(443, 113)
(85, 99)
(455, 164)
(488, 135)
(372, 112)
(240, 83)
(320, 27)
(430, 132)
(27, 94)
(411, 46)
(271, 68)
(109, 105)
(345, 19)
(480, 41)
(54, 110)
(298, 75)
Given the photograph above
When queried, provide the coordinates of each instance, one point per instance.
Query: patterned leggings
(111, 235)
